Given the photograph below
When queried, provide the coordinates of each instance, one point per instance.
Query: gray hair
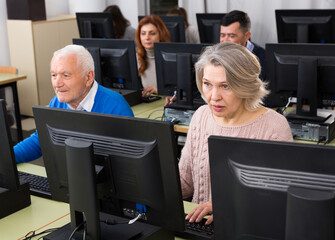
(84, 58)
(242, 72)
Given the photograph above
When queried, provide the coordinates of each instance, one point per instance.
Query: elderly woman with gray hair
(227, 76)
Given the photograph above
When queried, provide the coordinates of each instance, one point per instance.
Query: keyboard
(151, 98)
(39, 186)
(198, 230)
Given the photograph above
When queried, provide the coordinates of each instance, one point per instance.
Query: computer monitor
(175, 72)
(305, 25)
(271, 190)
(95, 25)
(175, 25)
(304, 71)
(209, 26)
(14, 195)
(135, 160)
(115, 65)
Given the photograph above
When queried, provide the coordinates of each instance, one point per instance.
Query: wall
(261, 12)
(4, 53)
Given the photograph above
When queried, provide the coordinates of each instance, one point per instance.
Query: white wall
(86, 6)
(4, 53)
(54, 8)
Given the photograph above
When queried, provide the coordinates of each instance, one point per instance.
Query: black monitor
(271, 190)
(304, 71)
(135, 161)
(13, 195)
(175, 72)
(305, 25)
(95, 25)
(115, 65)
(209, 26)
(175, 25)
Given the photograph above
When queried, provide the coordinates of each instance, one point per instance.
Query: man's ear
(247, 35)
(90, 77)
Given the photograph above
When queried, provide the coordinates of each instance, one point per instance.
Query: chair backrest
(8, 69)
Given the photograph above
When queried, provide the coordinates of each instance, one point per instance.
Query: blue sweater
(105, 101)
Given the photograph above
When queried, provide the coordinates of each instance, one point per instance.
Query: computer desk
(42, 214)
(10, 80)
(155, 110)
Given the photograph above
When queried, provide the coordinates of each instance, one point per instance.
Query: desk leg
(17, 112)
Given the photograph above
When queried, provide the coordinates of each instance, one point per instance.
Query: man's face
(71, 85)
(233, 33)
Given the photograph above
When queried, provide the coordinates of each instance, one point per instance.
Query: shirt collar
(87, 103)
(250, 46)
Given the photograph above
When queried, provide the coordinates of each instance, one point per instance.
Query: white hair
(84, 58)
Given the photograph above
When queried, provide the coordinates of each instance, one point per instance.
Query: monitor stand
(133, 97)
(12, 200)
(84, 204)
(137, 230)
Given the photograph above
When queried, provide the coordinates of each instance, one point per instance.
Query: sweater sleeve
(28, 150)
(185, 171)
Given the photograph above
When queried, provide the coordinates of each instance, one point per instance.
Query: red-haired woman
(150, 29)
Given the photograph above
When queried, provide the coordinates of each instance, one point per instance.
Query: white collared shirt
(87, 103)
(250, 46)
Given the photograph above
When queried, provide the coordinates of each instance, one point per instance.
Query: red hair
(164, 36)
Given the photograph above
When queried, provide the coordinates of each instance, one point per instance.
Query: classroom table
(10, 80)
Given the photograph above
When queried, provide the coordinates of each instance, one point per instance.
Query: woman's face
(221, 100)
(149, 35)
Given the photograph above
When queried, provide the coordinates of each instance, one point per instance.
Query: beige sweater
(149, 76)
(194, 162)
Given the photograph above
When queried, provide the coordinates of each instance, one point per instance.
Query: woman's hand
(146, 92)
(200, 212)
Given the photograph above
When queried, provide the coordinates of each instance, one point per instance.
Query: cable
(158, 110)
(75, 230)
(289, 101)
(32, 234)
(173, 97)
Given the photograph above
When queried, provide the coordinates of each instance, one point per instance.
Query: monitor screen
(304, 71)
(271, 190)
(175, 71)
(13, 194)
(135, 161)
(209, 26)
(115, 65)
(305, 25)
(95, 25)
(175, 25)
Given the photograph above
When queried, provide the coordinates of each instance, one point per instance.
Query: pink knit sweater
(194, 163)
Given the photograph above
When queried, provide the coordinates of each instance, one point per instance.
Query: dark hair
(237, 16)
(164, 36)
(120, 23)
(179, 11)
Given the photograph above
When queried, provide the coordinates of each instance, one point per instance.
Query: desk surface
(6, 78)
(42, 214)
